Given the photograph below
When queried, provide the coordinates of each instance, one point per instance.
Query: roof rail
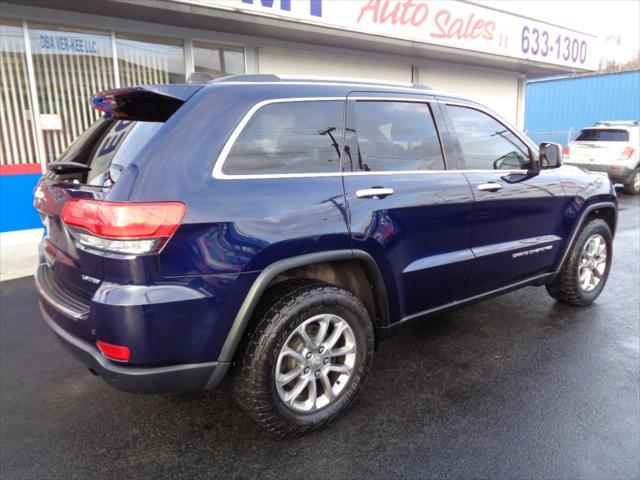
(258, 77)
(621, 123)
(268, 77)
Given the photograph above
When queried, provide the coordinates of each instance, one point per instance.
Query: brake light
(565, 151)
(114, 352)
(626, 154)
(133, 228)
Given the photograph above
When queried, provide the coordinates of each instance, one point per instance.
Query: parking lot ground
(516, 387)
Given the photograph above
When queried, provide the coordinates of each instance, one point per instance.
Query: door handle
(374, 192)
(489, 187)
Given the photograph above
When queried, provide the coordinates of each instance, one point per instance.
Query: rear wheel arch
(346, 269)
(283, 377)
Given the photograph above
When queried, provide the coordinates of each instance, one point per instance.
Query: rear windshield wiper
(68, 167)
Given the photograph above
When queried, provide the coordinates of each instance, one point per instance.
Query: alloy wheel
(315, 363)
(593, 262)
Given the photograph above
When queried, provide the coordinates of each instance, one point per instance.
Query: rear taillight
(127, 228)
(566, 151)
(626, 154)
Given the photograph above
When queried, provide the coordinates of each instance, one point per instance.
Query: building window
(70, 65)
(217, 60)
(17, 145)
(148, 60)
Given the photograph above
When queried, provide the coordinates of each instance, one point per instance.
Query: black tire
(565, 287)
(632, 187)
(283, 309)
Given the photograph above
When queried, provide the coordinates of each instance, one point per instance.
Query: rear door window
(397, 136)
(299, 137)
(599, 135)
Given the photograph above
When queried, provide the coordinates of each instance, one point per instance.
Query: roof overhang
(209, 15)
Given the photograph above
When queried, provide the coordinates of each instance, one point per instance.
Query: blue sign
(315, 6)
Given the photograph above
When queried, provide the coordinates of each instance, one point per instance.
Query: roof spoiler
(151, 103)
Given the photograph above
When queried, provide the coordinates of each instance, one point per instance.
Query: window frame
(189, 43)
(218, 173)
(533, 154)
(431, 104)
(148, 38)
(438, 108)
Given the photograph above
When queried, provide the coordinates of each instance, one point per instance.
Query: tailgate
(601, 152)
(599, 145)
(89, 167)
(70, 268)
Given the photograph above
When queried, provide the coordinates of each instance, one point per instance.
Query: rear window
(107, 148)
(289, 137)
(600, 135)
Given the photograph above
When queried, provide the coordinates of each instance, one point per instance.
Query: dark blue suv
(277, 229)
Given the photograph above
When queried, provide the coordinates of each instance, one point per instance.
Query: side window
(289, 137)
(395, 136)
(486, 143)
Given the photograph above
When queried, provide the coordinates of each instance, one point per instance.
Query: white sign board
(50, 121)
(447, 23)
(55, 42)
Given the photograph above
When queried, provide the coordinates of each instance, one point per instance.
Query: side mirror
(550, 155)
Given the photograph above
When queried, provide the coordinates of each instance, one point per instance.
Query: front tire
(586, 269)
(306, 359)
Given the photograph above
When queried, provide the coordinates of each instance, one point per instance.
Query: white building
(55, 54)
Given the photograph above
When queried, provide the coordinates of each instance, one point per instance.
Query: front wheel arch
(606, 211)
(567, 286)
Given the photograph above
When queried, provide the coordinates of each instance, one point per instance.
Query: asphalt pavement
(516, 387)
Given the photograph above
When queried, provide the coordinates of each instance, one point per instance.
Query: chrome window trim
(437, 172)
(429, 97)
(222, 158)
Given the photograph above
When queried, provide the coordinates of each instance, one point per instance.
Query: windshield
(600, 135)
(107, 148)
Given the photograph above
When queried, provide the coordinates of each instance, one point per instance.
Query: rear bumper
(176, 378)
(618, 173)
(73, 323)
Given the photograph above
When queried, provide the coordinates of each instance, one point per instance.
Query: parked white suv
(612, 147)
